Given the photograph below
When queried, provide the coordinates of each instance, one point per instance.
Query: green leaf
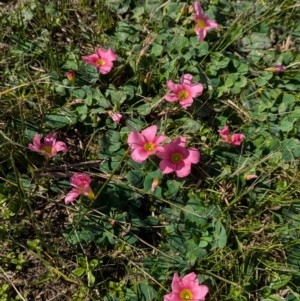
(287, 104)
(173, 188)
(113, 136)
(78, 272)
(135, 177)
(228, 82)
(78, 93)
(191, 126)
(82, 111)
(157, 49)
(235, 89)
(157, 174)
(242, 82)
(243, 68)
(256, 41)
(220, 234)
(135, 124)
(194, 251)
(179, 42)
(260, 81)
(114, 147)
(145, 292)
(202, 48)
(31, 128)
(61, 119)
(144, 109)
(290, 149)
(280, 282)
(91, 278)
(104, 103)
(286, 124)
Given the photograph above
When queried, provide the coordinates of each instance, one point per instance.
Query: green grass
(240, 237)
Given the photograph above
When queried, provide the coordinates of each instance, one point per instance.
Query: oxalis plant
(188, 148)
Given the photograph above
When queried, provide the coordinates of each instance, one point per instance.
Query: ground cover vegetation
(150, 150)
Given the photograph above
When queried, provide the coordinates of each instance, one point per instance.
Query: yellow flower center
(149, 147)
(186, 294)
(100, 62)
(183, 94)
(201, 23)
(47, 149)
(176, 158)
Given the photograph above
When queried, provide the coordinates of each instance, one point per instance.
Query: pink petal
(167, 166)
(200, 292)
(149, 133)
(212, 24)
(171, 97)
(196, 90)
(71, 196)
(79, 180)
(179, 141)
(176, 283)
(190, 280)
(50, 139)
(139, 155)
(198, 8)
(135, 139)
(185, 103)
(237, 139)
(225, 131)
(61, 147)
(36, 146)
(116, 117)
(171, 86)
(202, 35)
(225, 138)
(101, 53)
(164, 152)
(37, 139)
(105, 69)
(193, 156)
(171, 297)
(90, 58)
(111, 56)
(158, 139)
(86, 188)
(183, 169)
(187, 79)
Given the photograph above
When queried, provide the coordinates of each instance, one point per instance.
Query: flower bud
(71, 76)
(250, 177)
(278, 68)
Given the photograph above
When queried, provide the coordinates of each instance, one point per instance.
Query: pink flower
(144, 144)
(81, 183)
(175, 157)
(71, 76)
(187, 288)
(116, 117)
(278, 68)
(203, 23)
(50, 147)
(102, 59)
(235, 139)
(185, 91)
